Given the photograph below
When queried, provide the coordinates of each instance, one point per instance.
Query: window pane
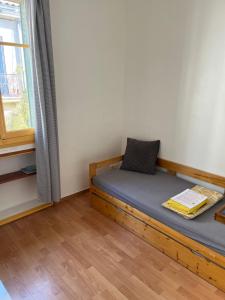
(13, 85)
(10, 22)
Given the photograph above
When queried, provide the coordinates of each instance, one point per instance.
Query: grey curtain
(47, 153)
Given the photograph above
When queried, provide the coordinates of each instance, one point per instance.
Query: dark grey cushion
(140, 156)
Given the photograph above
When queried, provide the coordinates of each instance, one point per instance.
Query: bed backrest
(170, 166)
(174, 168)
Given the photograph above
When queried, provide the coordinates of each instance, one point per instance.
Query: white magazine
(189, 198)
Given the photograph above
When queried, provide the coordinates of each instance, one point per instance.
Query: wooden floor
(70, 251)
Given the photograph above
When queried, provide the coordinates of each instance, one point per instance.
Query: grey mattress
(148, 192)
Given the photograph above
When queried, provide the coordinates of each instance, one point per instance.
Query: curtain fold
(46, 133)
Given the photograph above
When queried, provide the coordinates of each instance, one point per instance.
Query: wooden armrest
(101, 164)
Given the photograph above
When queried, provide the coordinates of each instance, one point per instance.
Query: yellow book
(188, 201)
(182, 208)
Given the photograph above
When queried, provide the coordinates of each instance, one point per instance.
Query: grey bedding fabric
(147, 193)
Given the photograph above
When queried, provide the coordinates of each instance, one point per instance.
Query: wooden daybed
(198, 258)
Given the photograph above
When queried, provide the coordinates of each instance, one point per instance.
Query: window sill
(17, 150)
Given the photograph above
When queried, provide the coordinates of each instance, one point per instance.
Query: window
(15, 76)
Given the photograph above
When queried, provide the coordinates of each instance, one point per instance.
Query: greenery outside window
(16, 84)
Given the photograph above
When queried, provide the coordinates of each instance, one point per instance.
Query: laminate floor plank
(70, 251)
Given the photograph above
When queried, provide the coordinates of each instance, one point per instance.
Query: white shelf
(17, 148)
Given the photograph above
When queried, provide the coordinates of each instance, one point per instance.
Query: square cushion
(141, 156)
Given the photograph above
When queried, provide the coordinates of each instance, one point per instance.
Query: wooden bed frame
(196, 257)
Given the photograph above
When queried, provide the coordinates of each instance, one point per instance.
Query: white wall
(175, 73)
(174, 63)
(88, 44)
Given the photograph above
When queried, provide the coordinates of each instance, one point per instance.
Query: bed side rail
(102, 164)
